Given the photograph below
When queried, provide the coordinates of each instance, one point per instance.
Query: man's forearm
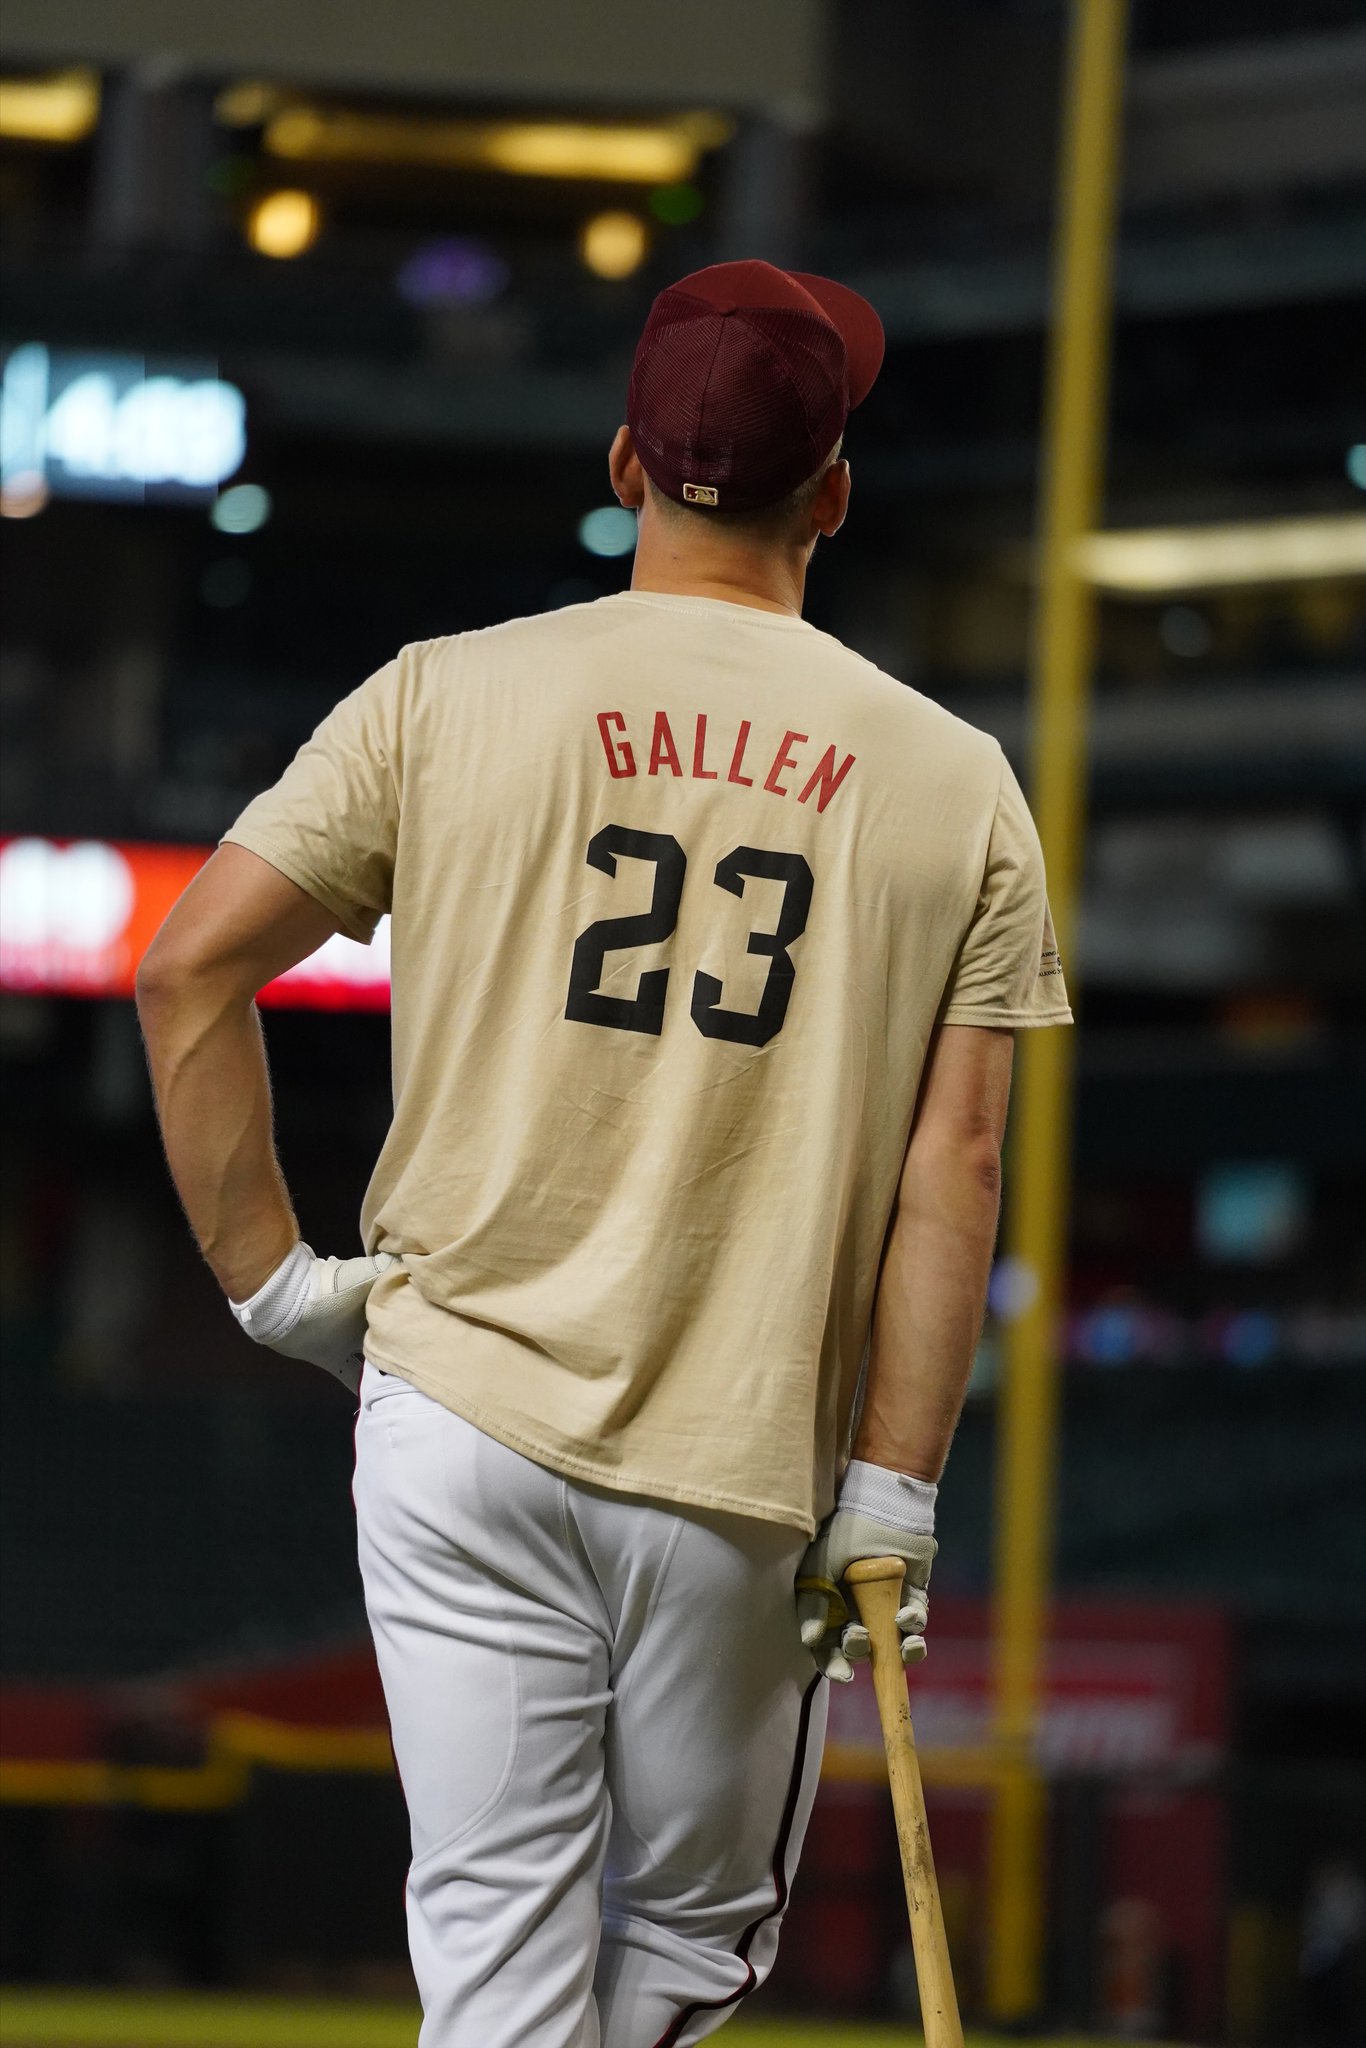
(212, 1089)
(929, 1309)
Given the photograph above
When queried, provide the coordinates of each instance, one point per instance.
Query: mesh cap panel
(740, 399)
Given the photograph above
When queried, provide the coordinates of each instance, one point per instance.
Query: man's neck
(765, 579)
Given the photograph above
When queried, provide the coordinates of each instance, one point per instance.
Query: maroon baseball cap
(743, 380)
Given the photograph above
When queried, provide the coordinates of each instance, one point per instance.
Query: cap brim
(859, 326)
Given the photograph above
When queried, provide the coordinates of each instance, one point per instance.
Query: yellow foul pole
(1060, 679)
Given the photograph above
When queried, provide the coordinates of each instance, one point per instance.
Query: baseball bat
(876, 1583)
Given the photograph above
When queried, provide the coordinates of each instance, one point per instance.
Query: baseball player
(709, 944)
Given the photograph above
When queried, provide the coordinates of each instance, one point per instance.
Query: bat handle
(871, 1571)
(876, 1584)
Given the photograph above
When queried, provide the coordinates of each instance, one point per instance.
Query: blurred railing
(279, 1860)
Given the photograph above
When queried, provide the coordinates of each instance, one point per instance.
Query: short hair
(773, 522)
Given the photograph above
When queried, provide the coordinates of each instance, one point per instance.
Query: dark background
(167, 1496)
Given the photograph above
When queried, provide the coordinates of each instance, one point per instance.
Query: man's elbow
(956, 1168)
(172, 974)
(982, 1162)
(155, 982)
(976, 1171)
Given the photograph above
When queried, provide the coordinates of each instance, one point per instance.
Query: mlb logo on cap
(701, 494)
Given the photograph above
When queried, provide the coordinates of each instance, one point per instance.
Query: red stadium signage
(76, 917)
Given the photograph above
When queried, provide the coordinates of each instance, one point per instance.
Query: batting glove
(315, 1309)
(879, 1514)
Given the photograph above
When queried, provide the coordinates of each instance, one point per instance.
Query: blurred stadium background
(315, 328)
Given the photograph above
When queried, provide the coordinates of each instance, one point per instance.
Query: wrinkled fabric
(680, 890)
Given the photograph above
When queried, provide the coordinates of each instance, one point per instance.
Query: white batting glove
(315, 1309)
(879, 1514)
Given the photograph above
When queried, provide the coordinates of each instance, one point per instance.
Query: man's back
(680, 890)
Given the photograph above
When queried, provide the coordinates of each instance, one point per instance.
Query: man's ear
(623, 466)
(831, 501)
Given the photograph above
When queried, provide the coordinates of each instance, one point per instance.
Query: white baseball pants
(608, 1735)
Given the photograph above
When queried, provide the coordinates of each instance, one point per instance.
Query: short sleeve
(331, 822)
(1008, 972)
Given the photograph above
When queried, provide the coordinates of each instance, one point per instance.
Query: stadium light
(608, 531)
(24, 495)
(284, 224)
(242, 508)
(61, 107)
(1159, 561)
(614, 245)
(247, 103)
(652, 153)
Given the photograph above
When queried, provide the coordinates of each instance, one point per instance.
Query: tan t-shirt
(680, 890)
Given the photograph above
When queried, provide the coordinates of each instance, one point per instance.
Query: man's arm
(238, 925)
(926, 1322)
(937, 1260)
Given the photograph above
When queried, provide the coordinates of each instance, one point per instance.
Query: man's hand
(880, 1514)
(315, 1309)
